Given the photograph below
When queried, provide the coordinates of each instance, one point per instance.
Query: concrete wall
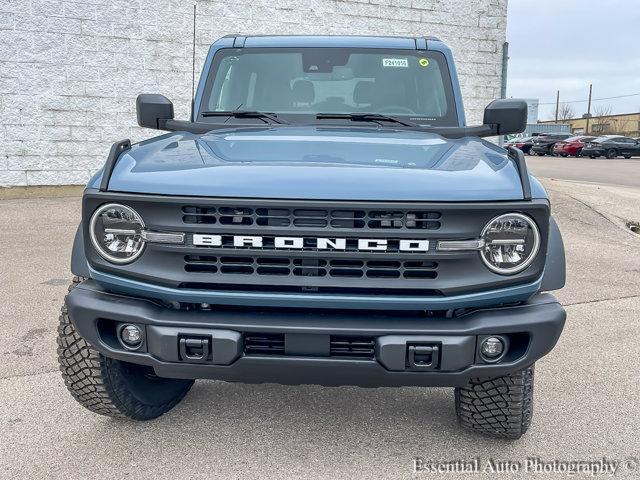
(70, 70)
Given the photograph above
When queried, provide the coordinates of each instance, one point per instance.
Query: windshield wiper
(367, 117)
(245, 114)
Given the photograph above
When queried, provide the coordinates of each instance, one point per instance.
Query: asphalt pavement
(617, 171)
(586, 398)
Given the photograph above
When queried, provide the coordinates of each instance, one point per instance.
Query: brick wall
(70, 70)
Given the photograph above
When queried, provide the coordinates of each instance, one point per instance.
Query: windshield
(299, 83)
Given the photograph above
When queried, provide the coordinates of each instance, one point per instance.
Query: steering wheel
(391, 109)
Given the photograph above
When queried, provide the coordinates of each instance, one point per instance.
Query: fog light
(131, 335)
(492, 347)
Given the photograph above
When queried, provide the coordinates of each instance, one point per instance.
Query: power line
(593, 100)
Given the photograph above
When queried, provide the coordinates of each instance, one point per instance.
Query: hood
(318, 163)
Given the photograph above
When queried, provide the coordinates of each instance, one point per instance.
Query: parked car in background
(572, 146)
(611, 146)
(524, 143)
(543, 144)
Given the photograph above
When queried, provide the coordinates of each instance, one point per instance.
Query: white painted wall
(70, 70)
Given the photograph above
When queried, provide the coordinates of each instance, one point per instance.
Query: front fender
(79, 265)
(555, 270)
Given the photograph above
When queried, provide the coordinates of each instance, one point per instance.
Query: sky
(566, 45)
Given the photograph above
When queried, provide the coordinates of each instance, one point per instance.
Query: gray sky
(567, 44)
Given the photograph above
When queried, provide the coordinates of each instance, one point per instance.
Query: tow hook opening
(424, 356)
(194, 349)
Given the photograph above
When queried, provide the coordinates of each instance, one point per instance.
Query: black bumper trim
(541, 319)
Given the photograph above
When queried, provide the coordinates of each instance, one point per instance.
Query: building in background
(532, 110)
(70, 70)
(627, 124)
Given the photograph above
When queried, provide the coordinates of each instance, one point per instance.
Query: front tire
(112, 387)
(498, 407)
(611, 153)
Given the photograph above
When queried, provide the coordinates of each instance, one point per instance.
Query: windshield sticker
(395, 62)
(423, 62)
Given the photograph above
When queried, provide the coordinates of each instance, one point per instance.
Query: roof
(348, 41)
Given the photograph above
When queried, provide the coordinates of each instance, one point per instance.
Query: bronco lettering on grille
(302, 243)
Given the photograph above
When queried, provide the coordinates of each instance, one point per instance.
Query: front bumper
(530, 330)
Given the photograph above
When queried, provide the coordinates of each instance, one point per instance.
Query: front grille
(293, 218)
(311, 267)
(319, 247)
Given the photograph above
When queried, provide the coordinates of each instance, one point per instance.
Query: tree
(565, 112)
(599, 124)
(602, 110)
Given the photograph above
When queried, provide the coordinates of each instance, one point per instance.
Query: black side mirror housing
(506, 116)
(153, 110)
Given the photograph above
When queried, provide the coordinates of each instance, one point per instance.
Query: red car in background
(523, 143)
(571, 146)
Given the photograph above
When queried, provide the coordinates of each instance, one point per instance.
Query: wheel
(499, 407)
(592, 156)
(563, 155)
(611, 153)
(578, 153)
(111, 387)
(541, 154)
(627, 157)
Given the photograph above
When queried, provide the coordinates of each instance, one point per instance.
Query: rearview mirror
(506, 116)
(153, 110)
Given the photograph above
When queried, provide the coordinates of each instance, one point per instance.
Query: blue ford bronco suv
(324, 217)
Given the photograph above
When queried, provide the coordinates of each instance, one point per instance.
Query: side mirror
(506, 116)
(153, 110)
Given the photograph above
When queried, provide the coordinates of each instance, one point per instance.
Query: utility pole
(586, 130)
(557, 104)
(503, 79)
(193, 65)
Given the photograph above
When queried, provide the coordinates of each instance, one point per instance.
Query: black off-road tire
(499, 407)
(111, 387)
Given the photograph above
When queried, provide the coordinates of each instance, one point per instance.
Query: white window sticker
(395, 62)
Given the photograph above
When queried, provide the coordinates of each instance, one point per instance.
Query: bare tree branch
(602, 110)
(566, 112)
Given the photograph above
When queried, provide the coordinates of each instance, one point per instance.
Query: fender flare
(79, 265)
(555, 270)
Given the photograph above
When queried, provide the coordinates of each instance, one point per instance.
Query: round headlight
(116, 233)
(510, 243)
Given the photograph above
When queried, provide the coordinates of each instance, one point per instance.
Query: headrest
(363, 92)
(303, 91)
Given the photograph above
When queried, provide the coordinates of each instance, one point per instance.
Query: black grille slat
(264, 344)
(340, 346)
(311, 267)
(295, 218)
(352, 347)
